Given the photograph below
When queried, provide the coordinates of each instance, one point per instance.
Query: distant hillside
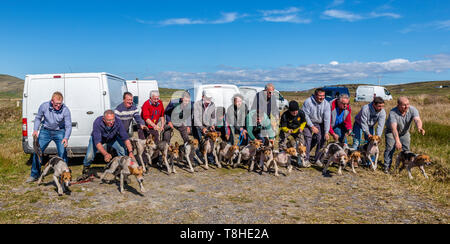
(10, 86)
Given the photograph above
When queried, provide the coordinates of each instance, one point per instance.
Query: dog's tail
(37, 148)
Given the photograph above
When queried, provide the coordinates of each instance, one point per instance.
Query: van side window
(136, 100)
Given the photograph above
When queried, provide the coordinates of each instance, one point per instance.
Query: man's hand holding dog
(65, 142)
(421, 131)
(107, 157)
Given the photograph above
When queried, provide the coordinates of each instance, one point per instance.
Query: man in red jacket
(152, 112)
(341, 118)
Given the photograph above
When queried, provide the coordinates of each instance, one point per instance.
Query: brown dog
(283, 159)
(123, 166)
(227, 153)
(187, 151)
(208, 145)
(354, 158)
(409, 160)
(371, 149)
(248, 152)
(174, 154)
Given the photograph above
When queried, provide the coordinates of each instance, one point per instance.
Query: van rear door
(365, 93)
(84, 98)
(39, 90)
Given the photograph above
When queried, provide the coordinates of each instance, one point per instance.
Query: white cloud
(288, 15)
(332, 72)
(287, 19)
(225, 18)
(280, 11)
(344, 15)
(351, 17)
(435, 25)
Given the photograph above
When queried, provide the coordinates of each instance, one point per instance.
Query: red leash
(91, 178)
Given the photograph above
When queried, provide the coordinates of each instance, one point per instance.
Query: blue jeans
(358, 134)
(357, 138)
(340, 130)
(118, 145)
(44, 138)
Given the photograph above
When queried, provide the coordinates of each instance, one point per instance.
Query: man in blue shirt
(107, 129)
(52, 123)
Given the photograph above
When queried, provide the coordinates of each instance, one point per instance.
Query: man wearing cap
(152, 112)
(52, 123)
(292, 123)
(341, 118)
(204, 116)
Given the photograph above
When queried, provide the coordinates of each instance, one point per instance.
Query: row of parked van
(88, 95)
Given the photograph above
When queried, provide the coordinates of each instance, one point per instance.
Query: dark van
(334, 92)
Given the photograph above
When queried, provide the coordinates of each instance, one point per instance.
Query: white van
(141, 90)
(366, 93)
(249, 93)
(87, 95)
(221, 93)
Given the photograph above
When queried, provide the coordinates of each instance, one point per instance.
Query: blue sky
(294, 44)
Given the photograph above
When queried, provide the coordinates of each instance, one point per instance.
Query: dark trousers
(167, 134)
(144, 134)
(314, 140)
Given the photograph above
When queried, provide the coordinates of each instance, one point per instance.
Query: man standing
(366, 119)
(106, 129)
(397, 129)
(52, 123)
(204, 116)
(341, 118)
(266, 102)
(292, 123)
(152, 112)
(127, 111)
(318, 112)
(178, 115)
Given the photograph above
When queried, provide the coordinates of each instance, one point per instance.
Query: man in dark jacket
(292, 123)
(107, 129)
(178, 116)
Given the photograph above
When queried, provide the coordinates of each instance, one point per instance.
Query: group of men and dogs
(229, 136)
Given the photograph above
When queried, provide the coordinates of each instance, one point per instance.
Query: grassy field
(22, 203)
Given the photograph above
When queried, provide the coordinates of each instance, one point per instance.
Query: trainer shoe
(318, 163)
(31, 179)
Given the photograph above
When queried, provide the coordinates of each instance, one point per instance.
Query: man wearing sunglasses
(53, 122)
(341, 118)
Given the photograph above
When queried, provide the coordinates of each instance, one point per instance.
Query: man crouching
(106, 130)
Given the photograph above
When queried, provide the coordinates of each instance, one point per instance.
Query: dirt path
(228, 196)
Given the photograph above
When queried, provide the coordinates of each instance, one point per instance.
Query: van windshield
(386, 92)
